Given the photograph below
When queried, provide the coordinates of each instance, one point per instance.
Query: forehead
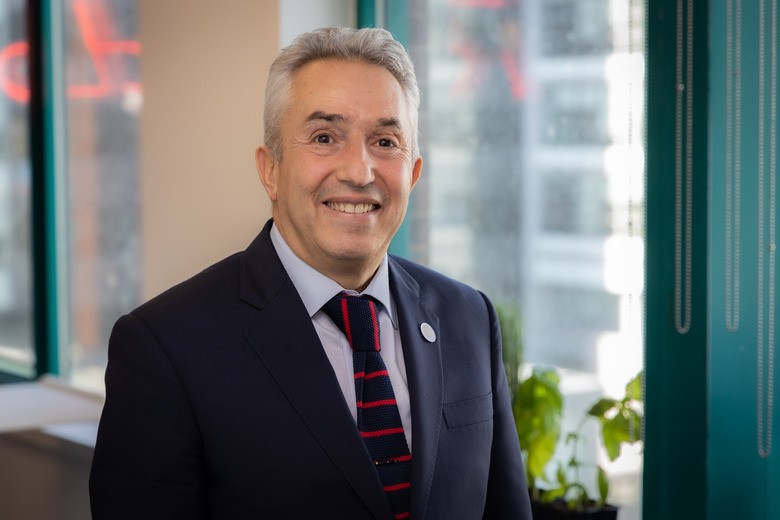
(354, 89)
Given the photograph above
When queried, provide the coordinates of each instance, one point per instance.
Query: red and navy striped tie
(378, 419)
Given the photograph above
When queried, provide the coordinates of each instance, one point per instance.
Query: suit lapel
(424, 375)
(284, 338)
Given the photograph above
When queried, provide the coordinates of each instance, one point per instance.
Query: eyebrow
(319, 115)
(325, 116)
(392, 122)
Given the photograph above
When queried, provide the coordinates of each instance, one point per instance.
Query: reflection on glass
(16, 329)
(533, 117)
(103, 106)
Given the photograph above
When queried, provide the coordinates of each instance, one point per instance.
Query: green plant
(621, 420)
(538, 409)
(620, 423)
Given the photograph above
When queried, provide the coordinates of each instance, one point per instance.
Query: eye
(386, 143)
(323, 139)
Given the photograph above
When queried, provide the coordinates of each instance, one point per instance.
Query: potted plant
(538, 408)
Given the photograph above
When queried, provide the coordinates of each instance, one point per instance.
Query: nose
(357, 167)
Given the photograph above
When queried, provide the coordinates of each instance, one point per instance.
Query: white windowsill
(51, 407)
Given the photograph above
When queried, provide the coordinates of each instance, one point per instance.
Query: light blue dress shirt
(315, 290)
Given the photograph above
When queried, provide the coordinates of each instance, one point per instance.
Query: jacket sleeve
(507, 493)
(148, 458)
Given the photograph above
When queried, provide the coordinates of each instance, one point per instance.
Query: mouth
(347, 207)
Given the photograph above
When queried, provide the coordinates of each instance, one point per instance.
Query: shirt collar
(315, 289)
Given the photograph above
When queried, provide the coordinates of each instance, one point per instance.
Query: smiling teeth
(346, 207)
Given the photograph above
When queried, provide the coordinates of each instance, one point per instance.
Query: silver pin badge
(428, 333)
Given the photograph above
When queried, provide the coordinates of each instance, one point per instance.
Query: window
(17, 353)
(95, 65)
(573, 112)
(103, 103)
(576, 202)
(576, 28)
(533, 187)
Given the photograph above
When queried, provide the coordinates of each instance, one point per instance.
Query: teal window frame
(674, 472)
(742, 482)
(702, 455)
(47, 134)
(45, 110)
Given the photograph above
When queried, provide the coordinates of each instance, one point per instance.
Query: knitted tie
(378, 419)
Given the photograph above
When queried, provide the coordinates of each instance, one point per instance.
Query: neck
(354, 278)
(353, 274)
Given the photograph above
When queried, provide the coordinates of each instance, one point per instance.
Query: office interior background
(605, 168)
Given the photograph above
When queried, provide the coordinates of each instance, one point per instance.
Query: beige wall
(203, 69)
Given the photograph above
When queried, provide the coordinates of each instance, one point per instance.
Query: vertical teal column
(366, 13)
(45, 104)
(674, 480)
(743, 470)
(396, 18)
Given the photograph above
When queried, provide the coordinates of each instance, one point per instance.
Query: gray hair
(372, 46)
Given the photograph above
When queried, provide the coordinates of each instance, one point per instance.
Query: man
(236, 395)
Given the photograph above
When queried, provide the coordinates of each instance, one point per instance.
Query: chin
(354, 252)
(351, 255)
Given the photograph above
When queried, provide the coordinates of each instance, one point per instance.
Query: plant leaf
(612, 434)
(634, 419)
(538, 407)
(603, 482)
(561, 474)
(540, 454)
(634, 387)
(552, 494)
(576, 496)
(601, 407)
(625, 427)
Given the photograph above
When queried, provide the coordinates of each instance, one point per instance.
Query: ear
(267, 170)
(416, 170)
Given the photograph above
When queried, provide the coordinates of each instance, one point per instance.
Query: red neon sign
(94, 24)
(476, 59)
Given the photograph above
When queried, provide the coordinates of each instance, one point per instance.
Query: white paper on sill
(44, 403)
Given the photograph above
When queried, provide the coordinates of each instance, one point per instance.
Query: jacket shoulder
(211, 287)
(437, 287)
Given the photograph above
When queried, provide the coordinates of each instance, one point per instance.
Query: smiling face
(341, 186)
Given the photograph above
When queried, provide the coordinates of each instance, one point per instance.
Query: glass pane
(103, 107)
(16, 329)
(533, 185)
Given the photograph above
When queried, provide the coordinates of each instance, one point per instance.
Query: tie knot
(356, 317)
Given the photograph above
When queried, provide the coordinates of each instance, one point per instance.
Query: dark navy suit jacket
(221, 403)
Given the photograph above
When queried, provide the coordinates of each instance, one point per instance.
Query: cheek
(400, 183)
(310, 174)
(293, 183)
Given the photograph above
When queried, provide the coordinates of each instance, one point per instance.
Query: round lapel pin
(428, 333)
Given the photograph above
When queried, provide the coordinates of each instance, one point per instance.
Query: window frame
(675, 472)
(44, 113)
